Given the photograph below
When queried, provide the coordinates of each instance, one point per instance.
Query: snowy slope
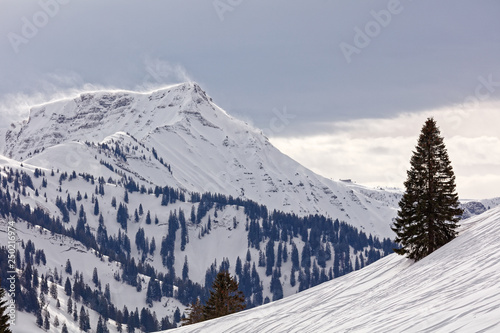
(58, 249)
(227, 239)
(454, 289)
(206, 148)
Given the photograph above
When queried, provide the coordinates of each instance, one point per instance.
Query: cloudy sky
(342, 86)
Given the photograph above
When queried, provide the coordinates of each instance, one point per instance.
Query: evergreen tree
(262, 259)
(238, 267)
(107, 292)
(177, 315)
(276, 288)
(75, 313)
(225, 298)
(102, 326)
(279, 255)
(56, 275)
(295, 257)
(152, 247)
(184, 231)
(185, 269)
(84, 320)
(4, 318)
(95, 276)
(429, 210)
(140, 240)
(193, 215)
(96, 207)
(70, 306)
(68, 268)
(122, 215)
(44, 287)
(306, 256)
(153, 292)
(292, 277)
(53, 290)
(64, 328)
(39, 318)
(46, 322)
(269, 258)
(195, 314)
(67, 287)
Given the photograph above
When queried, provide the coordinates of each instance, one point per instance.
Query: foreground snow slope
(455, 289)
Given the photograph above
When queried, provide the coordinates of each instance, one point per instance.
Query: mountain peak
(92, 116)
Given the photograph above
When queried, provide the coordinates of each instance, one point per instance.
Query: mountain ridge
(207, 149)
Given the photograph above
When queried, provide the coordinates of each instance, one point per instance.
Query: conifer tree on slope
(4, 318)
(225, 298)
(195, 313)
(429, 210)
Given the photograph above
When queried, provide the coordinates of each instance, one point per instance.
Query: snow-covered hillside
(455, 289)
(165, 252)
(205, 148)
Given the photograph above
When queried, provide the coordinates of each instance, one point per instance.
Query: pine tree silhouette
(225, 298)
(429, 210)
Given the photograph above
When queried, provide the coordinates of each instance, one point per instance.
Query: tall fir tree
(429, 210)
(225, 298)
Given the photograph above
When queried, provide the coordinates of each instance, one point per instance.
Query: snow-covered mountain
(476, 207)
(206, 149)
(116, 183)
(455, 289)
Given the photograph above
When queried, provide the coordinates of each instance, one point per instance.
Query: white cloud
(376, 152)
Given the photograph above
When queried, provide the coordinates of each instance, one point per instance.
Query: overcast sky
(342, 86)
